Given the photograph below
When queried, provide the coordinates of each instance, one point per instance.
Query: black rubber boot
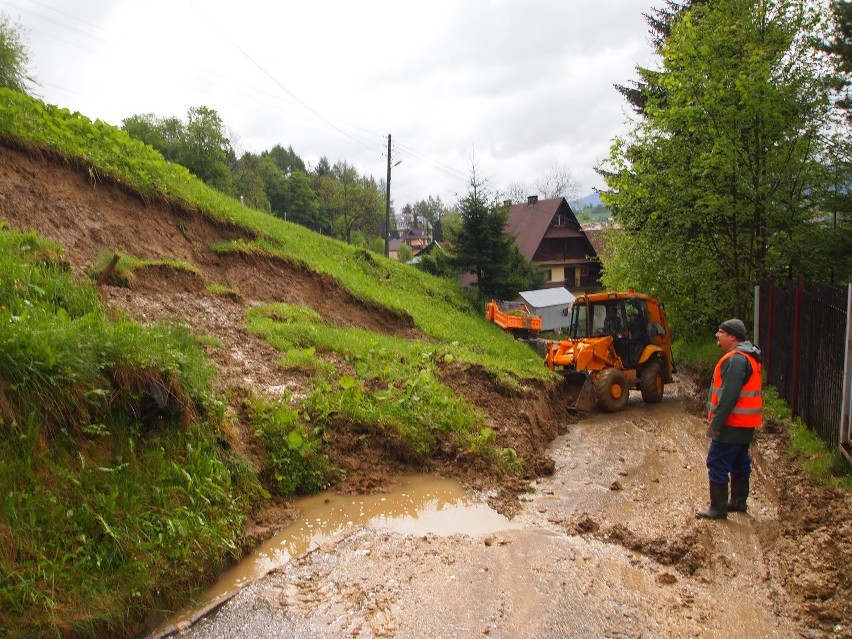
(739, 494)
(718, 502)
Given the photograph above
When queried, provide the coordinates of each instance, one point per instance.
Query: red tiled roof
(529, 222)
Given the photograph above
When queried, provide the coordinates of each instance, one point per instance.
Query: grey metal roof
(548, 297)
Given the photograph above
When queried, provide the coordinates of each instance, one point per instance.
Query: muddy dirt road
(609, 546)
(607, 543)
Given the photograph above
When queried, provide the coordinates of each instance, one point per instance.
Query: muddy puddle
(418, 505)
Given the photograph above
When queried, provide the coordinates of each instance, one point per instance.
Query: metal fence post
(756, 321)
(797, 344)
(846, 406)
(770, 310)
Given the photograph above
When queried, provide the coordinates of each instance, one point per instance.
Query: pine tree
(484, 249)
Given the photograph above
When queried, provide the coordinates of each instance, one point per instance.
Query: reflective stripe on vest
(748, 411)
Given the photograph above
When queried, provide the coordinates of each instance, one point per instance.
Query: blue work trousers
(724, 460)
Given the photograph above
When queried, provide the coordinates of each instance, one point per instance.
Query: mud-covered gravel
(608, 546)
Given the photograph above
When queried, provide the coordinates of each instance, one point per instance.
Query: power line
(452, 172)
(250, 95)
(275, 80)
(59, 23)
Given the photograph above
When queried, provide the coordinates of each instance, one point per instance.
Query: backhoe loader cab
(616, 342)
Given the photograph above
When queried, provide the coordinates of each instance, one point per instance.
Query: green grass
(390, 386)
(699, 353)
(296, 454)
(823, 466)
(115, 496)
(223, 291)
(441, 310)
(124, 271)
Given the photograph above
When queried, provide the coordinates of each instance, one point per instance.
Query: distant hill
(588, 202)
(591, 210)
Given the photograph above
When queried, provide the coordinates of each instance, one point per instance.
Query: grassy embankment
(117, 496)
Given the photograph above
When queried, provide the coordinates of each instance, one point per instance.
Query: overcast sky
(517, 87)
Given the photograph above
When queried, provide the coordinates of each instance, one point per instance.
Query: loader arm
(590, 354)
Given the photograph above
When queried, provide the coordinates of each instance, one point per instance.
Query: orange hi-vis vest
(748, 411)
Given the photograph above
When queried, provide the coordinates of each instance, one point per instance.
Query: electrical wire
(246, 94)
(412, 152)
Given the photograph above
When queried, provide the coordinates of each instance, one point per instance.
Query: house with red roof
(548, 234)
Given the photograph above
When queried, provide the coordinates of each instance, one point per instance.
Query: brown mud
(609, 545)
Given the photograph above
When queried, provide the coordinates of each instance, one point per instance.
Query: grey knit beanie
(735, 327)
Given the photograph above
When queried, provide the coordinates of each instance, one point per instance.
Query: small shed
(549, 304)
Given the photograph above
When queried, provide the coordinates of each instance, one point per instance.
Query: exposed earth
(606, 543)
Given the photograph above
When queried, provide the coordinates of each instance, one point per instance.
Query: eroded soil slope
(609, 545)
(41, 193)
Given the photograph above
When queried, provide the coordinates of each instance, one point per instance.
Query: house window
(548, 275)
(558, 220)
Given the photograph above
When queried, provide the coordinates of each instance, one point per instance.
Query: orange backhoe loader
(616, 342)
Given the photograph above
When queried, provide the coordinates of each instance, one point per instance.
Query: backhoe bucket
(585, 391)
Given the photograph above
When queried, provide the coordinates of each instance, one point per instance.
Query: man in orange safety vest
(735, 412)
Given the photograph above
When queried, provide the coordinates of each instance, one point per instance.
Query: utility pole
(387, 203)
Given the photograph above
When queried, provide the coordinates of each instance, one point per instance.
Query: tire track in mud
(608, 547)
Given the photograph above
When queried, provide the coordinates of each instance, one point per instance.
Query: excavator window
(637, 329)
(598, 319)
(579, 321)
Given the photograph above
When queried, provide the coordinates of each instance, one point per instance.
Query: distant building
(550, 304)
(548, 234)
(426, 250)
(415, 239)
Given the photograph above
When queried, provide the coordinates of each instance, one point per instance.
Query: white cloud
(518, 86)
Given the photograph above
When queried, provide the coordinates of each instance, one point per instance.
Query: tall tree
(517, 192)
(723, 161)
(557, 181)
(206, 150)
(329, 191)
(14, 57)
(323, 167)
(249, 183)
(302, 204)
(274, 184)
(449, 227)
(484, 249)
(430, 211)
(834, 237)
(839, 46)
(164, 134)
(200, 144)
(286, 159)
(369, 207)
(660, 22)
(346, 220)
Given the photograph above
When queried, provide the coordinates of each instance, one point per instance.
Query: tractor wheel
(611, 390)
(651, 382)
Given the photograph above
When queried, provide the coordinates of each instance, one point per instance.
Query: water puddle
(420, 504)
